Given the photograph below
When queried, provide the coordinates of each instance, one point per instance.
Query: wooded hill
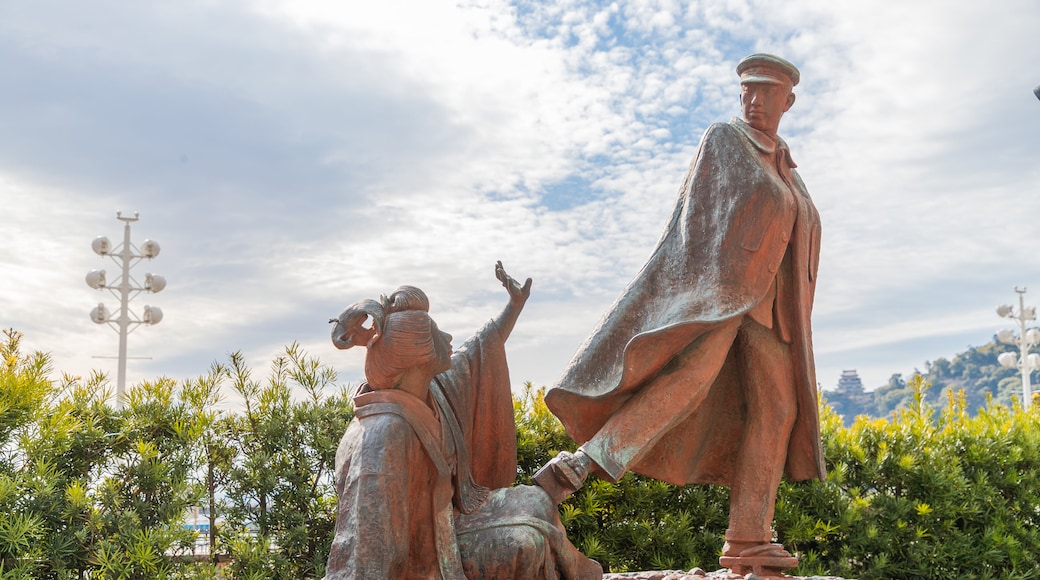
(975, 371)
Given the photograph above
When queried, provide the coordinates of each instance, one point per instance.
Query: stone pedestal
(698, 574)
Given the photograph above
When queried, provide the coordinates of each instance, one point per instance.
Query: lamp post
(1025, 361)
(126, 255)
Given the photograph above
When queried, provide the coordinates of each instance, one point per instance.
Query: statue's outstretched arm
(518, 296)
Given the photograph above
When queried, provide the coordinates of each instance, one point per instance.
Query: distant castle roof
(850, 382)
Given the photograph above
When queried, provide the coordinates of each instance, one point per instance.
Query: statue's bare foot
(563, 475)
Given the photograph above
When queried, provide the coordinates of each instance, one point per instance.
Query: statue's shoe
(764, 560)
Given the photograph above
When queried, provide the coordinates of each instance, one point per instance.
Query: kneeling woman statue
(424, 469)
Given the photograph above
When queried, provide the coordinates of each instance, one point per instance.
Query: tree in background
(148, 485)
(87, 490)
(975, 371)
(922, 495)
(280, 480)
(637, 524)
(97, 492)
(87, 487)
(24, 531)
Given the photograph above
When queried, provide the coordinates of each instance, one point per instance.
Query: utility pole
(126, 255)
(211, 483)
(1025, 361)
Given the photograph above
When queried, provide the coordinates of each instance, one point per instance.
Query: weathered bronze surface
(423, 471)
(702, 370)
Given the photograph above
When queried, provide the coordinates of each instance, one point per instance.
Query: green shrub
(279, 478)
(638, 523)
(922, 496)
(88, 490)
(919, 495)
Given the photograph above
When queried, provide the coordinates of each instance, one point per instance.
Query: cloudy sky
(292, 157)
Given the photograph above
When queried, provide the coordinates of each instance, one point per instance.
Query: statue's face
(442, 349)
(764, 103)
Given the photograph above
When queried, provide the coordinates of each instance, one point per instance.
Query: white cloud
(294, 157)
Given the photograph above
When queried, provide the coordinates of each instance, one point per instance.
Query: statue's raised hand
(517, 294)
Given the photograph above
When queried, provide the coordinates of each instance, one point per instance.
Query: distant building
(850, 382)
(197, 518)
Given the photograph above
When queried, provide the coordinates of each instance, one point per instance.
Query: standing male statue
(702, 371)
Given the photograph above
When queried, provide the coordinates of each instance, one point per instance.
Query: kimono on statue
(423, 485)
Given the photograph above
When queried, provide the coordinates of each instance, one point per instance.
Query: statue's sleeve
(478, 389)
(371, 540)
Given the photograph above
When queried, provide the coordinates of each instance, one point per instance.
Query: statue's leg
(517, 534)
(662, 403)
(767, 377)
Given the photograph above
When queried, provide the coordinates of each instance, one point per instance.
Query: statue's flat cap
(767, 68)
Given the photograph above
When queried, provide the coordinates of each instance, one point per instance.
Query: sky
(292, 157)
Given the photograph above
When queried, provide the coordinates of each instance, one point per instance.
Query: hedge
(88, 490)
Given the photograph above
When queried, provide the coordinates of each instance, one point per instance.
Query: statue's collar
(366, 395)
(762, 141)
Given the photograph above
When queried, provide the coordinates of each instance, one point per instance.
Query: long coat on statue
(744, 240)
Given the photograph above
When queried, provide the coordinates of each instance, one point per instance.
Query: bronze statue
(424, 469)
(702, 370)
